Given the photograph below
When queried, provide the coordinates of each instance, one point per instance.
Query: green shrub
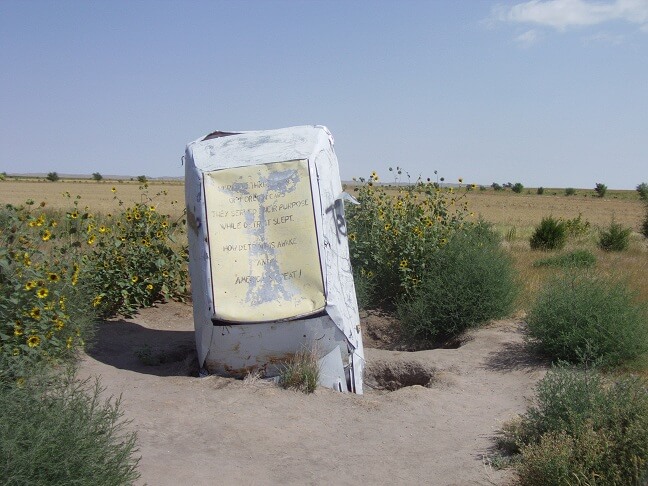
(570, 191)
(615, 238)
(52, 176)
(551, 234)
(582, 318)
(572, 259)
(582, 430)
(517, 187)
(642, 189)
(392, 234)
(600, 189)
(496, 186)
(60, 431)
(97, 176)
(468, 281)
(301, 373)
(540, 191)
(644, 225)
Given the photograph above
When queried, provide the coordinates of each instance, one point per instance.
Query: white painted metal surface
(236, 347)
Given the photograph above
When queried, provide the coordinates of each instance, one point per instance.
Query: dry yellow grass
(98, 196)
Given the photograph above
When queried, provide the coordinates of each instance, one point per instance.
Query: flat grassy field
(514, 216)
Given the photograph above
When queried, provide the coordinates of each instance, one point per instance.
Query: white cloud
(563, 14)
(528, 38)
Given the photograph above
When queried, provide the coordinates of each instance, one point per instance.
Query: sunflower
(134, 278)
(53, 277)
(42, 292)
(59, 324)
(33, 341)
(46, 235)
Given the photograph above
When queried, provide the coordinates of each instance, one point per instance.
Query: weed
(55, 430)
(301, 373)
(577, 226)
(551, 234)
(582, 430)
(582, 318)
(573, 259)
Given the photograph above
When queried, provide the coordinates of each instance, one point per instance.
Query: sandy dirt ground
(215, 430)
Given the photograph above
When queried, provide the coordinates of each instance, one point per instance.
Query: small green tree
(642, 189)
(141, 179)
(517, 187)
(97, 176)
(570, 191)
(496, 186)
(615, 238)
(550, 234)
(52, 176)
(600, 189)
(540, 191)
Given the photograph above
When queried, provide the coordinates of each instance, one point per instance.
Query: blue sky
(547, 93)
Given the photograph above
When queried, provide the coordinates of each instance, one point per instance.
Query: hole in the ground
(396, 375)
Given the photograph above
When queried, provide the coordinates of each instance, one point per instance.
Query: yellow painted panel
(263, 245)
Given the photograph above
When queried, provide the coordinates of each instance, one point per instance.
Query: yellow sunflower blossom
(134, 278)
(96, 301)
(18, 331)
(46, 235)
(149, 287)
(113, 189)
(59, 324)
(30, 285)
(33, 341)
(403, 263)
(53, 277)
(91, 240)
(42, 292)
(102, 229)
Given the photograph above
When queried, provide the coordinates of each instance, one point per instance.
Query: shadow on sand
(130, 346)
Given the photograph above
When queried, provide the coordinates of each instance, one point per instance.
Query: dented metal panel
(256, 305)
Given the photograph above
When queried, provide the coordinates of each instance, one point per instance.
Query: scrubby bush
(97, 176)
(551, 234)
(600, 189)
(497, 187)
(570, 191)
(644, 225)
(573, 259)
(540, 191)
(615, 238)
(582, 430)
(468, 281)
(52, 176)
(56, 430)
(517, 187)
(393, 232)
(582, 318)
